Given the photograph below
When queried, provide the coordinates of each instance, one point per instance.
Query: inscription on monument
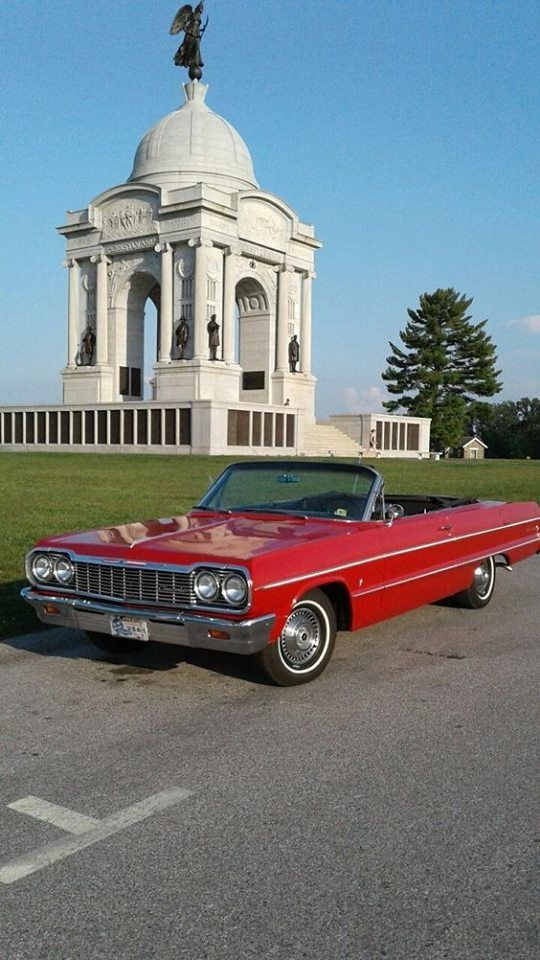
(221, 226)
(77, 243)
(144, 243)
(180, 223)
(262, 253)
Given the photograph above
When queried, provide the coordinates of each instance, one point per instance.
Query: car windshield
(338, 490)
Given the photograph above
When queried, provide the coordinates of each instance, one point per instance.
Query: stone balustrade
(205, 427)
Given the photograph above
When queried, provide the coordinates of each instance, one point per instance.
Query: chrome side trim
(417, 576)
(398, 553)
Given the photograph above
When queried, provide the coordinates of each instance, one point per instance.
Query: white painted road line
(59, 849)
(68, 820)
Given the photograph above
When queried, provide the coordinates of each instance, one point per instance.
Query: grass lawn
(46, 493)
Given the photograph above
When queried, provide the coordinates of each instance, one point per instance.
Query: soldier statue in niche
(294, 353)
(181, 337)
(87, 348)
(213, 336)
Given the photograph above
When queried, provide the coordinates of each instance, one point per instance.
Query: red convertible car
(275, 558)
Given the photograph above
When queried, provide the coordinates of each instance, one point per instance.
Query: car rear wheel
(115, 646)
(306, 642)
(481, 589)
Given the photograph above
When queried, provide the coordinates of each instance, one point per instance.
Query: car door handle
(446, 526)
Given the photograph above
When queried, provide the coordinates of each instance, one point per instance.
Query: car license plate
(129, 628)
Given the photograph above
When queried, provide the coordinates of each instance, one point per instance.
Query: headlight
(235, 590)
(42, 567)
(206, 586)
(63, 570)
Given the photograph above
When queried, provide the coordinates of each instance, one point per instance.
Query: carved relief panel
(128, 216)
(259, 222)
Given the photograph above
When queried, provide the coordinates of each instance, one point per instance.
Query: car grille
(135, 584)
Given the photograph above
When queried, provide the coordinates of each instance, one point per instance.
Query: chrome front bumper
(185, 630)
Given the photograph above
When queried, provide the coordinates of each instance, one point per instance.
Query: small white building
(472, 448)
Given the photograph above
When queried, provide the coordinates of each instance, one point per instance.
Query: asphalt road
(386, 810)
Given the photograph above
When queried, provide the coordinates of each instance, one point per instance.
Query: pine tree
(446, 364)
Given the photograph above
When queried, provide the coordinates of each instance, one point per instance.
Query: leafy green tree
(511, 429)
(446, 364)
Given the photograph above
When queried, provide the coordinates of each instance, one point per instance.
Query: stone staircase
(325, 440)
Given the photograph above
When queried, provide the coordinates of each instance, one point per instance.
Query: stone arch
(254, 338)
(127, 320)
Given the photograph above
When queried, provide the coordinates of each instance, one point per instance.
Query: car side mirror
(394, 511)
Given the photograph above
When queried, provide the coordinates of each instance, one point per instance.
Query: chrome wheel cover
(483, 579)
(302, 638)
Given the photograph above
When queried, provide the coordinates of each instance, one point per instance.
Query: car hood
(196, 536)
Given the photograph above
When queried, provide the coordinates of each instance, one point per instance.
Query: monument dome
(193, 145)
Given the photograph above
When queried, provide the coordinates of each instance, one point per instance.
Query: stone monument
(191, 231)
(229, 268)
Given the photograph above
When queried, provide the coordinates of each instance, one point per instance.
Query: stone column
(73, 310)
(229, 302)
(166, 303)
(200, 318)
(305, 323)
(102, 311)
(282, 362)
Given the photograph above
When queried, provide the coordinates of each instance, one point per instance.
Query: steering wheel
(345, 505)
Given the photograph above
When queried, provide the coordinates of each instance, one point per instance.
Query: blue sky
(407, 131)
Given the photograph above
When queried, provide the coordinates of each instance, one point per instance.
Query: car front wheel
(481, 589)
(305, 644)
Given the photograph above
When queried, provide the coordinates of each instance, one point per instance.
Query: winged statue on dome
(188, 20)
